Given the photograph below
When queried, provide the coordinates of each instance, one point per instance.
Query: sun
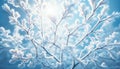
(51, 9)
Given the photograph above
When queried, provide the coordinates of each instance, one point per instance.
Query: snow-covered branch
(60, 34)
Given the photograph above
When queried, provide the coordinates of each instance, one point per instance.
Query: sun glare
(50, 9)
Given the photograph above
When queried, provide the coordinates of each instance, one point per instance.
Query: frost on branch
(57, 34)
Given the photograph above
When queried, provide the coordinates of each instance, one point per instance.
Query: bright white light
(51, 9)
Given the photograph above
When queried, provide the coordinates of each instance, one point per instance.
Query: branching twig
(118, 44)
(95, 26)
(50, 54)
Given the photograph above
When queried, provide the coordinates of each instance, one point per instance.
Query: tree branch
(94, 27)
(118, 44)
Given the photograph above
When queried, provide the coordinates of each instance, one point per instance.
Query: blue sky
(4, 22)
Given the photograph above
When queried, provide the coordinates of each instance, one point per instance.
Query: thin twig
(95, 26)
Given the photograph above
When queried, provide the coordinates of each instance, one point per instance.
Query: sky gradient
(4, 22)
